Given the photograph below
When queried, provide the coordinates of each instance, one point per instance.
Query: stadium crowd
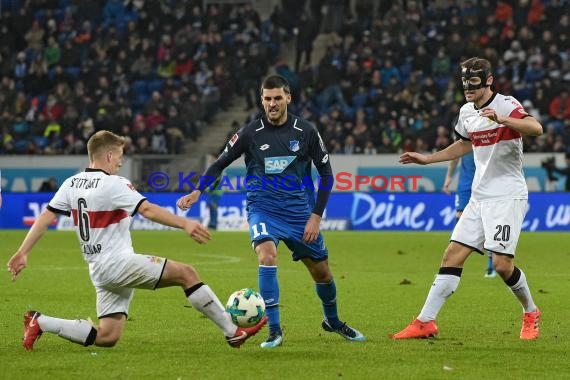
(157, 71)
(389, 82)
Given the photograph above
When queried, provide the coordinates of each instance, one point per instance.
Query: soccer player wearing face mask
(491, 125)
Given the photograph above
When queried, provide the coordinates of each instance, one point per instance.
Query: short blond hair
(101, 141)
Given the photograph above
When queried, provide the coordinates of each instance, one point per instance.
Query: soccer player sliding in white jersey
(102, 204)
(492, 125)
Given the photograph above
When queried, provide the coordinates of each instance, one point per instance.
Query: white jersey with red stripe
(101, 206)
(498, 150)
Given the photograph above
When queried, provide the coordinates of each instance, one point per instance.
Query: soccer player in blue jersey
(463, 193)
(279, 148)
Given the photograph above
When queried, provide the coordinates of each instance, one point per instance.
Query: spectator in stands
(21, 103)
(21, 66)
(52, 52)
(35, 37)
(349, 146)
(48, 186)
(253, 67)
(559, 108)
(305, 36)
(441, 65)
(123, 42)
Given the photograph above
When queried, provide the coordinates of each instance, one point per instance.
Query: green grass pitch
(165, 338)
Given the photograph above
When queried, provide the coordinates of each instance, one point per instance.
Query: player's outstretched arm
(158, 214)
(527, 125)
(455, 150)
(20, 259)
(414, 158)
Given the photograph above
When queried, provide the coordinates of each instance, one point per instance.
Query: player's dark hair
(275, 81)
(476, 64)
(102, 140)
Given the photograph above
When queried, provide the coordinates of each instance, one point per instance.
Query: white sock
(443, 287)
(522, 292)
(74, 330)
(206, 302)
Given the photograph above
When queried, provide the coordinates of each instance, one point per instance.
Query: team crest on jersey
(294, 145)
(233, 140)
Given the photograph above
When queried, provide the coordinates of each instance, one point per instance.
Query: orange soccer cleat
(32, 330)
(530, 326)
(417, 330)
(244, 333)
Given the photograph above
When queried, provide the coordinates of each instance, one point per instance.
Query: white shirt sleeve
(60, 203)
(513, 108)
(125, 196)
(460, 129)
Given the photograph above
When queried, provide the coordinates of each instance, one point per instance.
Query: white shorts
(493, 225)
(140, 271)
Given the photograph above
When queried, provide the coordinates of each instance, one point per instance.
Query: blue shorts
(263, 227)
(461, 200)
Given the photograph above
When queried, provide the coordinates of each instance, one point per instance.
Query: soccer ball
(246, 307)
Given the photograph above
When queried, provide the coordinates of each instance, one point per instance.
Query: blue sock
(490, 261)
(269, 290)
(327, 294)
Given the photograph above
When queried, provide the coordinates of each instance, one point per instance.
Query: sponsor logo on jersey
(233, 140)
(325, 159)
(276, 165)
(264, 147)
(493, 136)
(294, 145)
(130, 186)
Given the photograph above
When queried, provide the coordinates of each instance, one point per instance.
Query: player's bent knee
(320, 271)
(190, 274)
(503, 266)
(455, 255)
(107, 339)
(322, 274)
(323, 277)
(268, 260)
(267, 255)
(110, 330)
(106, 343)
(178, 274)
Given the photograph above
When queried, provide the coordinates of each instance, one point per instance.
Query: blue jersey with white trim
(278, 163)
